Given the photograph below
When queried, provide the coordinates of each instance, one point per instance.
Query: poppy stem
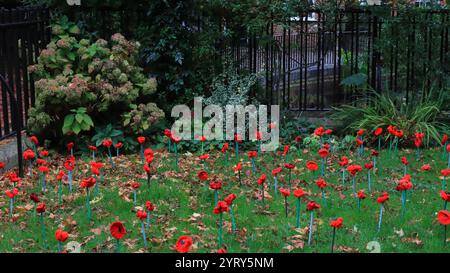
(324, 200)
(11, 205)
(43, 230)
(220, 229)
(117, 246)
(380, 218)
(445, 235)
(148, 218)
(142, 153)
(359, 204)
(275, 184)
(59, 247)
(354, 185)
(445, 205)
(117, 152)
(110, 158)
(297, 224)
(379, 143)
(310, 228)
(59, 192)
(322, 169)
(93, 155)
(236, 148)
(290, 185)
(262, 192)
(253, 165)
(148, 179)
(169, 142)
(343, 176)
(226, 158)
(239, 176)
(143, 234)
(176, 154)
(216, 197)
(88, 206)
(134, 198)
(70, 181)
(233, 221)
(368, 178)
(43, 182)
(333, 239)
(403, 203)
(286, 206)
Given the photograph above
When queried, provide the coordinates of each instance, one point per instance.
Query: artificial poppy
(354, 169)
(444, 217)
(378, 131)
(70, 146)
(40, 208)
(44, 153)
(149, 206)
(135, 185)
(252, 154)
(323, 152)
(425, 167)
(337, 223)
(276, 171)
(107, 143)
(361, 195)
(360, 132)
(230, 198)
(61, 235)
(183, 244)
(312, 166)
(319, 131)
(312, 206)
(142, 215)
(298, 139)
(118, 145)
(221, 207)
(141, 139)
(225, 147)
(383, 198)
(215, 185)
(445, 172)
(445, 196)
(12, 193)
(404, 160)
(87, 183)
(202, 175)
(321, 183)
(28, 154)
(262, 179)
(35, 140)
(285, 192)
(368, 166)
(344, 161)
(117, 230)
(34, 198)
(289, 166)
(299, 193)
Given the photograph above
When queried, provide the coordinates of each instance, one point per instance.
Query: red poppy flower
(175, 139)
(142, 215)
(383, 198)
(147, 168)
(444, 139)
(221, 250)
(285, 150)
(183, 244)
(391, 129)
(276, 171)
(359, 142)
(92, 148)
(444, 217)
(69, 164)
(375, 153)
(135, 185)
(448, 148)
(328, 131)
(312, 166)
(224, 147)
(298, 139)
(149, 160)
(167, 133)
(289, 166)
(360, 132)
(272, 125)
(34, 198)
(35, 140)
(368, 166)
(258, 135)
(361, 195)
(326, 146)
(445, 196)
(378, 131)
(425, 167)
(40, 208)
(141, 139)
(337, 223)
(43, 169)
(203, 157)
(312, 206)
(230, 198)
(215, 185)
(107, 143)
(344, 161)
(237, 138)
(285, 192)
(354, 169)
(28, 154)
(399, 133)
(404, 184)
(149, 206)
(202, 175)
(97, 165)
(321, 183)
(445, 172)
(319, 131)
(70, 146)
(60, 175)
(221, 207)
(87, 183)
(202, 138)
(41, 161)
(117, 230)
(299, 193)
(44, 153)
(13, 177)
(404, 160)
(61, 235)
(252, 154)
(323, 152)
(262, 179)
(118, 145)
(238, 167)
(12, 193)
(2, 165)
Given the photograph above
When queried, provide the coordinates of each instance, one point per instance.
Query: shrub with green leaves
(422, 114)
(101, 77)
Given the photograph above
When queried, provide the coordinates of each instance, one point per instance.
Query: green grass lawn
(184, 206)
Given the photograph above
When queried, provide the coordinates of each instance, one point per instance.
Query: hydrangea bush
(101, 76)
